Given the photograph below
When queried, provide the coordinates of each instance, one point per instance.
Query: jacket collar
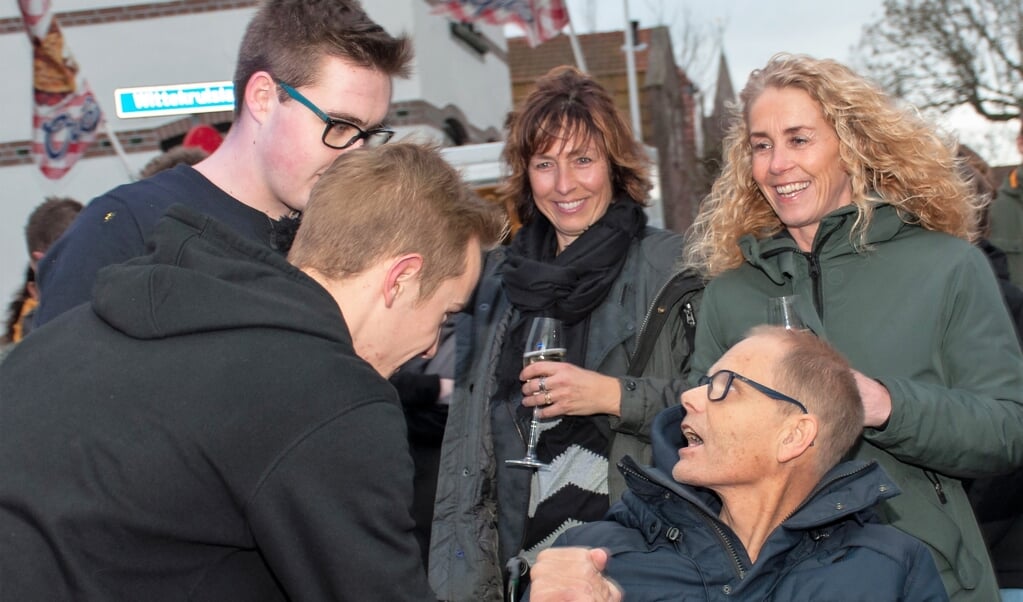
(776, 256)
(848, 489)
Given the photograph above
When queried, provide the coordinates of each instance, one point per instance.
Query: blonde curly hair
(891, 155)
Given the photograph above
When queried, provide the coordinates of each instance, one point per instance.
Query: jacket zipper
(727, 542)
(815, 278)
(657, 306)
(814, 259)
(649, 312)
(938, 489)
(814, 268)
(709, 519)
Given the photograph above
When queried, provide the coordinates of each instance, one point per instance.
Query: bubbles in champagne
(556, 354)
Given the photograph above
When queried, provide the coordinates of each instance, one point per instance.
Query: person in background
(45, 225)
(998, 501)
(424, 386)
(188, 155)
(976, 171)
(313, 80)
(579, 181)
(217, 424)
(19, 313)
(1006, 218)
(748, 495)
(831, 191)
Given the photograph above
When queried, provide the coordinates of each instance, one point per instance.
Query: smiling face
(796, 162)
(571, 185)
(733, 442)
(293, 154)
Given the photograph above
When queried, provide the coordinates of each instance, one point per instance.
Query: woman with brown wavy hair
(579, 181)
(833, 192)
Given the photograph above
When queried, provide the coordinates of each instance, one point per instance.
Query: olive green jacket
(1006, 219)
(922, 313)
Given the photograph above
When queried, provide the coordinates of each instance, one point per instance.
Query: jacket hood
(200, 276)
(847, 489)
(831, 240)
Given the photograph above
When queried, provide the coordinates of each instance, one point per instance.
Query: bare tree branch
(697, 47)
(940, 54)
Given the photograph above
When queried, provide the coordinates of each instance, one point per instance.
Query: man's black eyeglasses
(339, 133)
(721, 381)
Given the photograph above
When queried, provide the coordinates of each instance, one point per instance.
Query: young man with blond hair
(218, 424)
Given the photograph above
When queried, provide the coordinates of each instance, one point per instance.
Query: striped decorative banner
(66, 116)
(540, 19)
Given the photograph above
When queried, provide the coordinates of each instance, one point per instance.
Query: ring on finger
(543, 384)
(547, 398)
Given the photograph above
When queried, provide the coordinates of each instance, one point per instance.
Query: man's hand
(571, 575)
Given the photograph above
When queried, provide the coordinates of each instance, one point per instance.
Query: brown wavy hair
(568, 103)
(890, 153)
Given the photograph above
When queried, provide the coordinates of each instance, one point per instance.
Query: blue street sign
(180, 99)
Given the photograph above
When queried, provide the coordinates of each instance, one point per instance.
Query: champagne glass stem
(534, 433)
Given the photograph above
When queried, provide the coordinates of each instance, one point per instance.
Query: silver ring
(543, 384)
(547, 398)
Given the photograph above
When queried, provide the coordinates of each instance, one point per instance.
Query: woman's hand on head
(562, 389)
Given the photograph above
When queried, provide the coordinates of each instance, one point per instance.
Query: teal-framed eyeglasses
(719, 383)
(339, 133)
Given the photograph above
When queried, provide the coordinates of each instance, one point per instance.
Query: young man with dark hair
(313, 80)
(218, 425)
(47, 222)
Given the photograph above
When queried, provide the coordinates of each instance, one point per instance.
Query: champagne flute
(546, 343)
(784, 311)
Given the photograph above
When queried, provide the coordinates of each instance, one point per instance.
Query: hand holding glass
(783, 311)
(545, 343)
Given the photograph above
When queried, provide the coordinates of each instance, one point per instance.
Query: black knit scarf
(568, 286)
(571, 285)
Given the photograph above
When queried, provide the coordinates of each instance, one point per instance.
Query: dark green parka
(921, 312)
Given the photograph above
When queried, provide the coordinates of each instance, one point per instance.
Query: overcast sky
(753, 29)
(756, 29)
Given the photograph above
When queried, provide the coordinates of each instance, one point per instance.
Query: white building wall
(449, 72)
(197, 48)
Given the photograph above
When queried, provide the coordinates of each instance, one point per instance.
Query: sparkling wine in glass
(546, 343)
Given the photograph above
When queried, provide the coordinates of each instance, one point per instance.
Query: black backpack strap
(673, 293)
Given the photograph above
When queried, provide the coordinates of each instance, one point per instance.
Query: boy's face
(293, 155)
